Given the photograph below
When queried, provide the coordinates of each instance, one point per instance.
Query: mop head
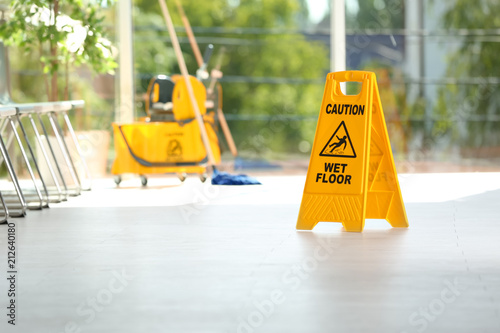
(224, 178)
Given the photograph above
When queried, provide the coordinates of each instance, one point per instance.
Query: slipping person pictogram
(338, 144)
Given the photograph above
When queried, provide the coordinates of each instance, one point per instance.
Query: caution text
(345, 109)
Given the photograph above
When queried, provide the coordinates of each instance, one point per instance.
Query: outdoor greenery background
(255, 54)
(274, 75)
(471, 108)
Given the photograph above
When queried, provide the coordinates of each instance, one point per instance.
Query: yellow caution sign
(351, 174)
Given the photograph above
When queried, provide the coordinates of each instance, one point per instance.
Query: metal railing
(43, 128)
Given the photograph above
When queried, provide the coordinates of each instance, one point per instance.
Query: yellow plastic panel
(163, 144)
(182, 103)
(351, 174)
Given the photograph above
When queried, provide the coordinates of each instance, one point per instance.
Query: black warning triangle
(340, 144)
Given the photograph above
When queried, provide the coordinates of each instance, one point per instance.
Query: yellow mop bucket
(159, 147)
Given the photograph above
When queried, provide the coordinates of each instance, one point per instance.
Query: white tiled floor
(198, 258)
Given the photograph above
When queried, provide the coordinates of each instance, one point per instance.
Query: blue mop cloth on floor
(224, 178)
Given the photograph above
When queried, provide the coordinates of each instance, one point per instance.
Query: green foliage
(152, 54)
(462, 106)
(377, 14)
(62, 33)
(249, 56)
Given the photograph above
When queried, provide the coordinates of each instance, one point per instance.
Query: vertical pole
(185, 74)
(125, 110)
(337, 36)
(428, 108)
(413, 47)
(415, 62)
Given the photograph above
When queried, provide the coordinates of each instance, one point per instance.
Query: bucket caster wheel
(117, 179)
(203, 177)
(144, 180)
(182, 176)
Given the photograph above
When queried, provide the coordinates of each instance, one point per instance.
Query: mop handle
(185, 74)
(189, 32)
(207, 55)
(202, 64)
(224, 126)
(202, 61)
(218, 65)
